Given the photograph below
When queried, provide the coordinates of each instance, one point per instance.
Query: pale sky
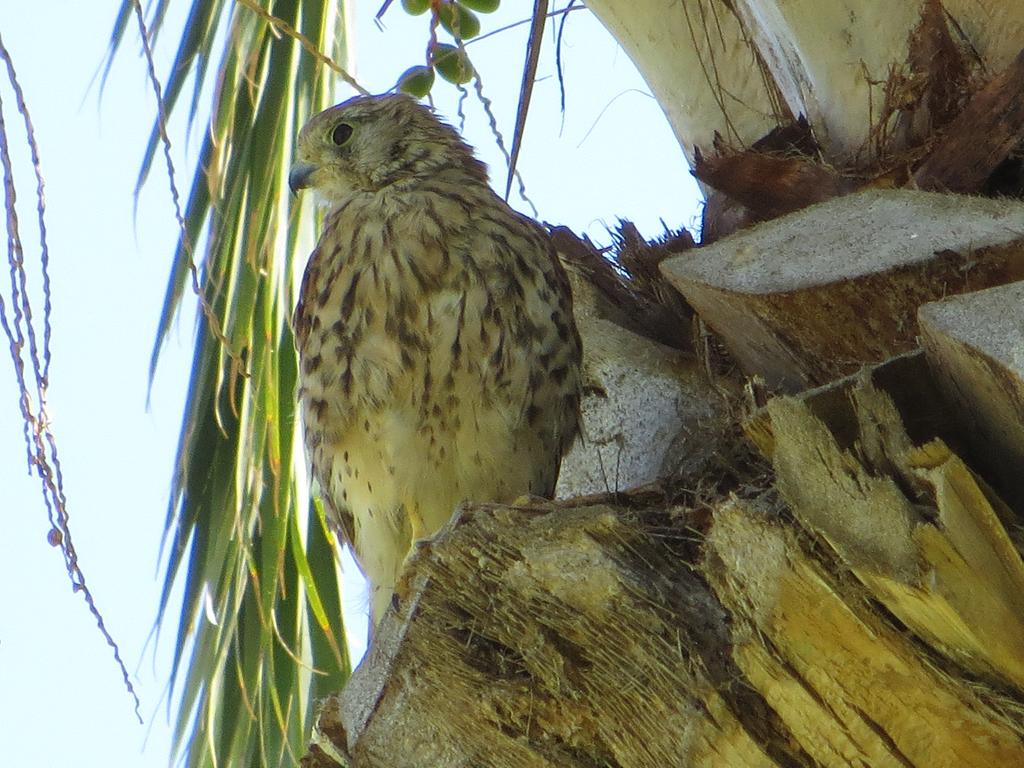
(62, 701)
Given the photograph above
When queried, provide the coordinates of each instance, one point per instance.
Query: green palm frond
(259, 637)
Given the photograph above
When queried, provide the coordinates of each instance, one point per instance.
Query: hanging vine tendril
(30, 357)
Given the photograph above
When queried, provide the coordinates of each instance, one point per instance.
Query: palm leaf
(259, 635)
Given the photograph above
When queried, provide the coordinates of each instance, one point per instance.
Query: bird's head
(371, 142)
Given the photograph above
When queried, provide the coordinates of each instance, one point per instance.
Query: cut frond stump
(913, 523)
(975, 345)
(810, 297)
(863, 607)
(649, 410)
(635, 637)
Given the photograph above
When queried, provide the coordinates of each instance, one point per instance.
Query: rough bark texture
(885, 628)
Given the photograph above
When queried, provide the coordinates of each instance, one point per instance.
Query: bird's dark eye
(341, 133)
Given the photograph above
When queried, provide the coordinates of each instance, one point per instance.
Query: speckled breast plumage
(439, 363)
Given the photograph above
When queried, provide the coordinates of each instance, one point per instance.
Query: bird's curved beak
(298, 176)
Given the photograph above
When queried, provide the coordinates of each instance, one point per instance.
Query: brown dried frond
(771, 185)
(629, 279)
(986, 134)
(943, 63)
(782, 172)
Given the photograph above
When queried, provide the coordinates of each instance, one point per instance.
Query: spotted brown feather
(439, 355)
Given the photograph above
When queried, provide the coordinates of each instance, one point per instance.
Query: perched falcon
(440, 361)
